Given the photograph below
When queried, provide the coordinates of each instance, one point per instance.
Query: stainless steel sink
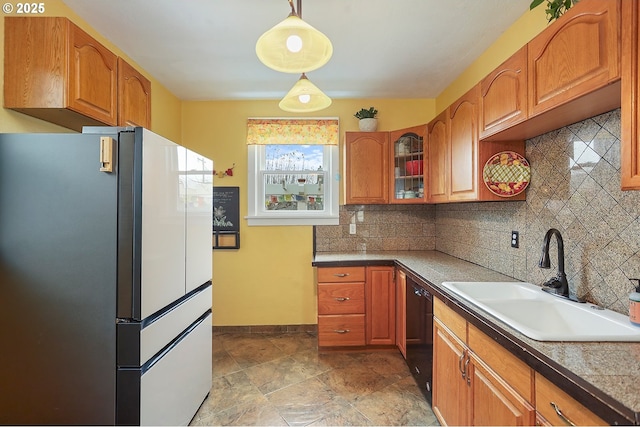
(543, 317)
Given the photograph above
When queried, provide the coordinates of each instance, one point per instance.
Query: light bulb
(294, 43)
(305, 98)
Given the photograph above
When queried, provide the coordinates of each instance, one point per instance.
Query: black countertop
(603, 376)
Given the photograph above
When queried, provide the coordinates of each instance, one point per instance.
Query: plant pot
(368, 125)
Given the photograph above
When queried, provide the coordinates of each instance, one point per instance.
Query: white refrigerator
(105, 278)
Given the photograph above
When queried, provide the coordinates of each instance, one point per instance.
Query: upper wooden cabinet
(456, 158)
(572, 73)
(503, 95)
(408, 163)
(366, 168)
(630, 111)
(437, 148)
(134, 97)
(463, 146)
(576, 55)
(57, 72)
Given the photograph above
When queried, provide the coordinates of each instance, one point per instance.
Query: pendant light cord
(293, 10)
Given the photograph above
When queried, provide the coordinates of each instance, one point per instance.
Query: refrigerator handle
(106, 154)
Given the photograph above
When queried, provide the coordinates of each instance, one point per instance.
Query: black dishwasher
(420, 335)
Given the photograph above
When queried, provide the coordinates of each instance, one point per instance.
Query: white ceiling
(205, 49)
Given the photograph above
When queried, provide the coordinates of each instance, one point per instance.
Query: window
(292, 182)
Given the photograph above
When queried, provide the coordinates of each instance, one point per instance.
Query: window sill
(291, 220)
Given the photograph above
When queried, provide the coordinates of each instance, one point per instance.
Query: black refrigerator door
(58, 235)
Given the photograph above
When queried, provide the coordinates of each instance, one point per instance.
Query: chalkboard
(226, 217)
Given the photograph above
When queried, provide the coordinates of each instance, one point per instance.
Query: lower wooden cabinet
(341, 330)
(494, 401)
(555, 407)
(380, 297)
(451, 393)
(340, 298)
(401, 312)
(356, 306)
(341, 305)
(476, 381)
(466, 389)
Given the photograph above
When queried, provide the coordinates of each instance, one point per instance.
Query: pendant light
(293, 46)
(304, 97)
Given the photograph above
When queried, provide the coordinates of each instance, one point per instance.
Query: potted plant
(368, 121)
(555, 8)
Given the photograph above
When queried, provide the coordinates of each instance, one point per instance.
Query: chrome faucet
(557, 285)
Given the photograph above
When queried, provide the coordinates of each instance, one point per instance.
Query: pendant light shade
(304, 97)
(293, 46)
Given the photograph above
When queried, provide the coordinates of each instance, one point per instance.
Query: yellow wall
(269, 280)
(165, 107)
(520, 33)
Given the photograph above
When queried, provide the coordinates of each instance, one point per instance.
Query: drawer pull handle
(341, 331)
(341, 274)
(341, 299)
(561, 415)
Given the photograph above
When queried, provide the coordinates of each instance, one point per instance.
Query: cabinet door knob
(566, 420)
(341, 299)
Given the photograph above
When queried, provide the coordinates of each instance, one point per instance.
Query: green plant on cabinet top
(555, 8)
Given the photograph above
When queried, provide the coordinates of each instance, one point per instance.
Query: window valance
(293, 131)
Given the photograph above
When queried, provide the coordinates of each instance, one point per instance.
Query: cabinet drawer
(341, 274)
(341, 298)
(547, 393)
(341, 330)
(456, 323)
(506, 365)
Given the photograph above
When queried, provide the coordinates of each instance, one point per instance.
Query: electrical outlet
(515, 239)
(352, 229)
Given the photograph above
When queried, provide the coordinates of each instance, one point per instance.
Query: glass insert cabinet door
(294, 178)
(408, 171)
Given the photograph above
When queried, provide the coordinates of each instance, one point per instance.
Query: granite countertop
(604, 376)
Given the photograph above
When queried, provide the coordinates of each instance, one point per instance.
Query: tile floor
(280, 379)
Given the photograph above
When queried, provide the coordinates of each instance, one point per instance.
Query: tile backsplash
(575, 188)
(380, 228)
